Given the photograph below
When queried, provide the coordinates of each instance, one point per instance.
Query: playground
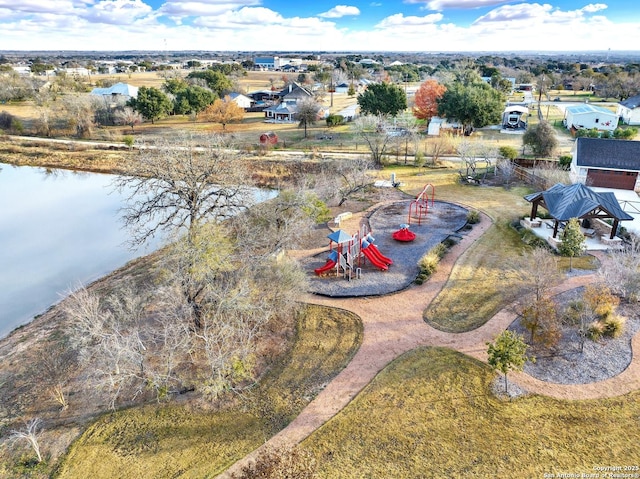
(365, 273)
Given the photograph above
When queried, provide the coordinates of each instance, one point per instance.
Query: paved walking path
(393, 325)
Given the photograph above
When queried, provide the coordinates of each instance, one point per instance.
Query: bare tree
(307, 112)
(438, 146)
(621, 272)
(279, 224)
(375, 132)
(355, 175)
(30, 434)
(537, 273)
(128, 116)
(178, 185)
(54, 366)
(109, 337)
(80, 113)
(506, 169)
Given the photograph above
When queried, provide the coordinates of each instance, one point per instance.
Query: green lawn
(160, 441)
(431, 414)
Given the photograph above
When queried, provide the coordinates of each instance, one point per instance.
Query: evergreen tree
(382, 99)
(573, 241)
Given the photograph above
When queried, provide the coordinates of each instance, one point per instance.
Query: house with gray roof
(606, 163)
(122, 90)
(629, 110)
(285, 110)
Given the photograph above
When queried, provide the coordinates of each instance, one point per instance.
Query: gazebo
(577, 201)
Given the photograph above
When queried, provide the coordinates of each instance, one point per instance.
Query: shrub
(473, 217)
(429, 262)
(593, 133)
(625, 133)
(450, 242)
(528, 237)
(564, 162)
(335, 120)
(600, 300)
(595, 331)
(6, 120)
(573, 312)
(508, 152)
(613, 326)
(418, 159)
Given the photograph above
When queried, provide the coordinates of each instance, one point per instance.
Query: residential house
(117, 94)
(285, 109)
(437, 124)
(343, 87)
(74, 71)
(587, 116)
(629, 110)
(606, 163)
(241, 100)
(266, 63)
(22, 70)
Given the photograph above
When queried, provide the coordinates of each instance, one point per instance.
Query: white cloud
(594, 7)
(244, 25)
(340, 11)
(117, 12)
(529, 13)
(440, 5)
(189, 8)
(399, 20)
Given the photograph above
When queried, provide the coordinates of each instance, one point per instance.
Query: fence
(530, 178)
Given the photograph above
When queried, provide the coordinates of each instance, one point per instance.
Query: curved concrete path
(393, 325)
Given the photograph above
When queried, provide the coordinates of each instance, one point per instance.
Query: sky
(319, 25)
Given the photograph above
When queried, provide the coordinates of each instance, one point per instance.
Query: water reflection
(57, 229)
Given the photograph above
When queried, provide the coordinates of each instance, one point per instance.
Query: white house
(629, 110)
(77, 71)
(588, 116)
(606, 163)
(241, 100)
(437, 124)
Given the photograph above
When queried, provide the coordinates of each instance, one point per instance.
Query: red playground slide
(331, 262)
(327, 266)
(374, 261)
(382, 258)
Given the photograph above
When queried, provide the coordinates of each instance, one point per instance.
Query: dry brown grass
(431, 413)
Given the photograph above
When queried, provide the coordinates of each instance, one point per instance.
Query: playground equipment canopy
(339, 236)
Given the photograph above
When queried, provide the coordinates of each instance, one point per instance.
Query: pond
(58, 230)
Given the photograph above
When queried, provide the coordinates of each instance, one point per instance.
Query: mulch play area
(442, 220)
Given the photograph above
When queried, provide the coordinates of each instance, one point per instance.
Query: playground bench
(342, 216)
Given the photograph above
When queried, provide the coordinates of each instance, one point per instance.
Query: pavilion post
(614, 228)
(555, 227)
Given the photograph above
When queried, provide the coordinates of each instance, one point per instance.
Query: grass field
(431, 414)
(160, 441)
(481, 283)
